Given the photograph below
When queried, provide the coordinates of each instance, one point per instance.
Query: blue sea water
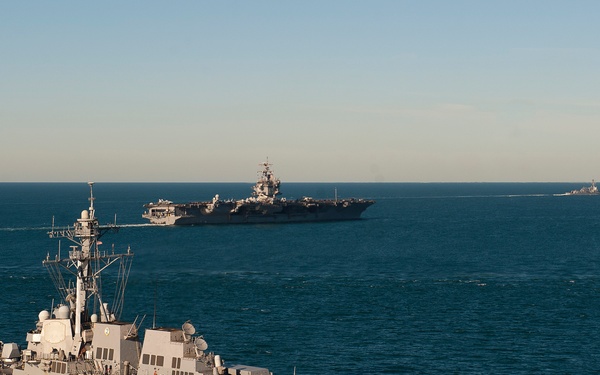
(483, 278)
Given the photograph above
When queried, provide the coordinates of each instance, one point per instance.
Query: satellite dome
(85, 214)
(94, 318)
(62, 312)
(43, 315)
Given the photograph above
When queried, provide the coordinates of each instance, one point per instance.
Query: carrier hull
(248, 213)
(262, 207)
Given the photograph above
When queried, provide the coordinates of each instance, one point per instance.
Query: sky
(328, 91)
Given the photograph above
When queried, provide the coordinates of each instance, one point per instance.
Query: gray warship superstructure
(84, 336)
(590, 190)
(262, 207)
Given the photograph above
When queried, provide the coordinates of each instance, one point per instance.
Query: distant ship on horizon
(262, 207)
(590, 190)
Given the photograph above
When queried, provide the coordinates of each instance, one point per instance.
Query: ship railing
(76, 255)
(97, 254)
(53, 356)
(68, 233)
(77, 231)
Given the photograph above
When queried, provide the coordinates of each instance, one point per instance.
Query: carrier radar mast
(266, 188)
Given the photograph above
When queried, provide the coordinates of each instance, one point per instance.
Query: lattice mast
(86, 262)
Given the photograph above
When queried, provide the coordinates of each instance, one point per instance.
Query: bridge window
(176, 362)
(58, 367)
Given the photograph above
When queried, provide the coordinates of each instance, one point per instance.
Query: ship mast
(86, 262)
(266, 188)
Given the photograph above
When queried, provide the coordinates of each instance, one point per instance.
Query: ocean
(437, 278)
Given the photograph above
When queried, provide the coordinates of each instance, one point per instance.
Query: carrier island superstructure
(83, 335)
(264, 206)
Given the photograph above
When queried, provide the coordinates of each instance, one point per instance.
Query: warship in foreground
(84, 336)
(262, 207)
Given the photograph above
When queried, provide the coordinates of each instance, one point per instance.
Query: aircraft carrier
(262, 207)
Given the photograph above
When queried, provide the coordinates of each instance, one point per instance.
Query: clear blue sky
(328, 90)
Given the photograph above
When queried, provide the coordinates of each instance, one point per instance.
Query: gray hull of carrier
(234, 213)
(262, 207)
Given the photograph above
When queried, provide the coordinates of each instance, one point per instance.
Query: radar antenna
(188, 330)
(91, 199)
(86, 262)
